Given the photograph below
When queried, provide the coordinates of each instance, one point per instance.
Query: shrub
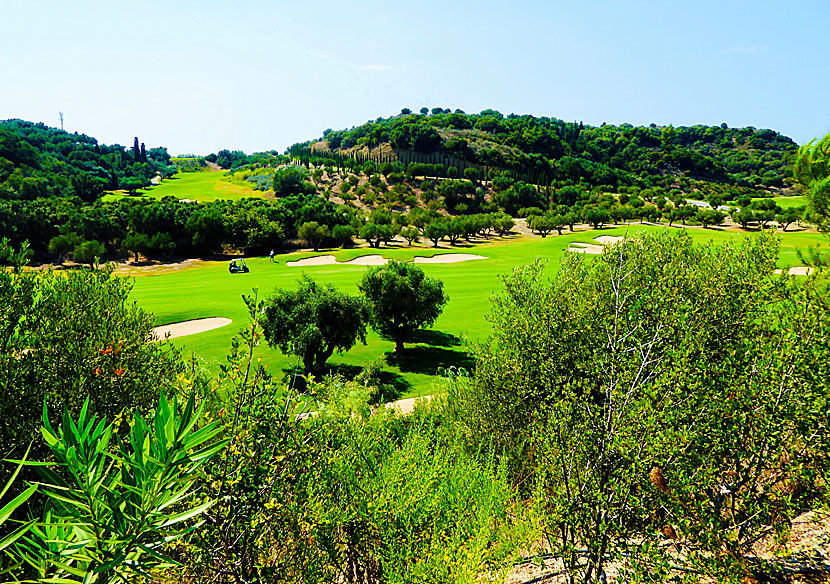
(692, 363)
(73, 336)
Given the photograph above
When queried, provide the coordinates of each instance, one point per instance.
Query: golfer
(271, 255)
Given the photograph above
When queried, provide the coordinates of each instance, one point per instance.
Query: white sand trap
(368, 260)
(585, 248)
(322, 260)
(609, 239)
(407, 406)
(448, 258)
(190, 327)
(797, 271)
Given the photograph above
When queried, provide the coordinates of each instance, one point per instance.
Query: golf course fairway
(205, 289)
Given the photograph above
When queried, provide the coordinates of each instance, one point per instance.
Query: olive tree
(402, 299)
(313, 321)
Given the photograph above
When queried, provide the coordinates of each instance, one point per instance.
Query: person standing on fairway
(271, 255)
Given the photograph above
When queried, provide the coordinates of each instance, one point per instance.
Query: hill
(697, 160)
(37, 161)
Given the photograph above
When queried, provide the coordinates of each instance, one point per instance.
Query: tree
(88, 252)
(812, 171)
(786, 217)
(402, 299)
(542, 224)
(595, 216)
(435, 231)
(314, 321)
(376, 233)
(709, 217)
(137, 243)
(744, 217)
(313, 233)
(292, 180)
(411, 233)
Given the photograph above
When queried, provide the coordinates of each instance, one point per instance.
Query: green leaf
(179, 517)
(9, 508)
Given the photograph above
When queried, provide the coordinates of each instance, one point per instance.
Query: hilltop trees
(402, 299)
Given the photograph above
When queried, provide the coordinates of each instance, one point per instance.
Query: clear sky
(255, 75)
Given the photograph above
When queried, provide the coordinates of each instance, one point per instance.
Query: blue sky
(200, 76)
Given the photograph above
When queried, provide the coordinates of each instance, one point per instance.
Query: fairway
(207, 185)
(206, 289)
(787, 202)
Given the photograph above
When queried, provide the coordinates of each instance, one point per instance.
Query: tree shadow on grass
(429, 360)
(435, 338)
(392, 385)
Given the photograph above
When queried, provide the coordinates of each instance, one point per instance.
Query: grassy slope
(208, 289)
(197, 186)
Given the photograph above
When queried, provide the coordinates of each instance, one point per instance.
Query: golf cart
(238, 267)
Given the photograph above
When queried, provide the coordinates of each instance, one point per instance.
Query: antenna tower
(61, 115)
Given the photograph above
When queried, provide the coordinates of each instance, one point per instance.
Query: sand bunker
(448, 258)
(378, 260)
(593, 248)
(322, 260)
(797, 271)
(190, 327)
(609, 239)
(369, 260)
(328, 260)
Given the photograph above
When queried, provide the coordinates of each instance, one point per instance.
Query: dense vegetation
(662, 394)
(444, 176)
(658, 410)
(37, 161)
(548, 151)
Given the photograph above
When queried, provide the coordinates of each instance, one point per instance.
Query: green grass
(207, 289)
(788, 202)
(196, 186)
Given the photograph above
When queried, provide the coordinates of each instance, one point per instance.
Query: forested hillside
(38, 161)
(550, 152)
(432, 176)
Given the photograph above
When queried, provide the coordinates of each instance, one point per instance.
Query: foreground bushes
(665, 392)
(67, 337)
(662, 407)
(343, 495)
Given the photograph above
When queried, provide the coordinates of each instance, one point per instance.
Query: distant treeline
(549, 151)
(56, 227)
(228, 159)
(37, 161)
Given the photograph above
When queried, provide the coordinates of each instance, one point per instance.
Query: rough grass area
(206, 289)
(195, 186)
